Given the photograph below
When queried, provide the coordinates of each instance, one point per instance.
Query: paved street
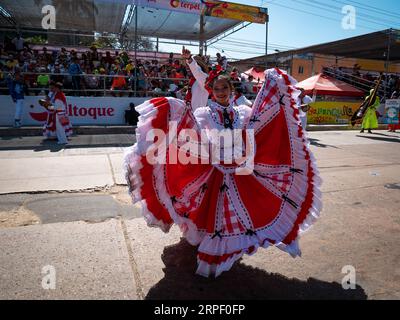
(68, 208)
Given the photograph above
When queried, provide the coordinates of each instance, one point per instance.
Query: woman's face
(222, 92)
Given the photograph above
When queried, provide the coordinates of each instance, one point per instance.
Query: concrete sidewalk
(99, 248)
(94, 130)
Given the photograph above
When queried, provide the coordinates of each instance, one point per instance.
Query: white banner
(81, 110)
(392, 108)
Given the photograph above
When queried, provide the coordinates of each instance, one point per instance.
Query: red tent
(322, 84)
(257, 73)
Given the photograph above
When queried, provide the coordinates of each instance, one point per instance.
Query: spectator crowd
(94, 72)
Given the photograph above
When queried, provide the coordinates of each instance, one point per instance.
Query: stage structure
(183, 22)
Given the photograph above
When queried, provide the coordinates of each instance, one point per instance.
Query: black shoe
(369, 131)
(362, 131)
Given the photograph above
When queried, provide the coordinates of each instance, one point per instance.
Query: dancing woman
(226, 208)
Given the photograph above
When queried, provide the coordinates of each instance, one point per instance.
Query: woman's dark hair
(223, 77)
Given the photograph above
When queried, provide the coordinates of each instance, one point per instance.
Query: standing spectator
(303, 103)
(18, 42)
(222, 61)
(16, 87)
(131, 115)
(171, 58)
(75, 71)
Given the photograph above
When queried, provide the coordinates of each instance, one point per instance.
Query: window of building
(301, 69)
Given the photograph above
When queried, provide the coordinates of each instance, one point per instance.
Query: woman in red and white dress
(227, 208)
(58, 124)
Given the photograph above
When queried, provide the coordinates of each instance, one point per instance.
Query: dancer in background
(370, 120)
(58, 124)
(240, 99)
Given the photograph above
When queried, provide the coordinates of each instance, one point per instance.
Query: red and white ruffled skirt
(227, 215)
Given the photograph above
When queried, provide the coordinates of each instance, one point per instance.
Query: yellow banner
(228, 10)
(331, 112)
(211, 8)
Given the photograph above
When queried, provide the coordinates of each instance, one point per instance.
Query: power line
(365, 6)
(360, 16)
(315, 14)
(249, 45)
(261, 43)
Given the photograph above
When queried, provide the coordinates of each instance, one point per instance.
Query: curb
(98, 130)
(80, 130)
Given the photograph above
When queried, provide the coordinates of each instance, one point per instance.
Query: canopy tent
(189, 20)
(257, 73)
(324, 85)
(79, 16)
(177, 25)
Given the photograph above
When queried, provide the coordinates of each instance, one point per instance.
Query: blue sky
(300, 23)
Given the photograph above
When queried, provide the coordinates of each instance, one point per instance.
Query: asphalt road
(68, 207)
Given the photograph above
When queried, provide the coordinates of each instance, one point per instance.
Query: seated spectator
(57, 74)
(45, 57)
(129, 67)
(42, 81)
(30, 78)
(11, 62)
(91, 82)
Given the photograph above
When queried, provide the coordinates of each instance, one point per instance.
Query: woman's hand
(186, 54)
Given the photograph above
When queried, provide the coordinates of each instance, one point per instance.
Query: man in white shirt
(303, 101)
(18, 42)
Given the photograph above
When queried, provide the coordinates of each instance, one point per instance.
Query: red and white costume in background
(58, 124)
(225, 214)
(241, 99)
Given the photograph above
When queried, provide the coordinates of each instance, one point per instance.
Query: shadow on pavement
(314, 142)
(241, 282)
(380, 138)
